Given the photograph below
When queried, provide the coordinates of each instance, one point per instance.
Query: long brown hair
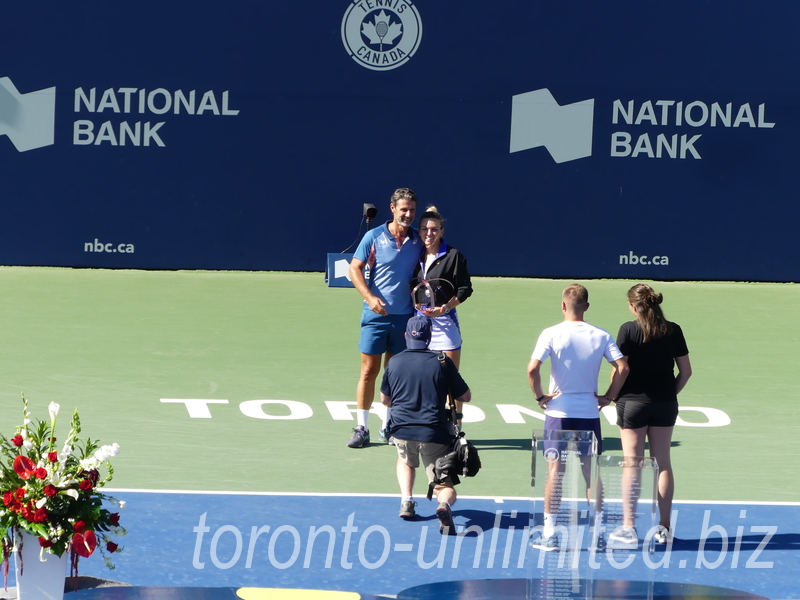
(648, 311)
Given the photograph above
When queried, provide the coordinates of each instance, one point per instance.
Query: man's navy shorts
(555, 423)
(382, 333)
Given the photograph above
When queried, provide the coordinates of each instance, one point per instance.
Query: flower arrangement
(53, 493)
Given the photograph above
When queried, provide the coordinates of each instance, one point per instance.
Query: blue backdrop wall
(560, 139)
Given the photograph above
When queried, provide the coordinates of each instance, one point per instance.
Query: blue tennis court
(356, 543)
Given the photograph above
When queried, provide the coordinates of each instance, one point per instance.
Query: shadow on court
(745, 543)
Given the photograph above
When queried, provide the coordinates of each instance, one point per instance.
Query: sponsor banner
(337, 270)
(558, 141)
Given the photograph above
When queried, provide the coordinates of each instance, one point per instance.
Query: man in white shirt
(576, 350)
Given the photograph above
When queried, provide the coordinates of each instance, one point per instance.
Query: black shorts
(567, 424)
(634, 414)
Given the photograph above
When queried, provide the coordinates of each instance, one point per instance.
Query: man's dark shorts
(555, 423)
(382, 333)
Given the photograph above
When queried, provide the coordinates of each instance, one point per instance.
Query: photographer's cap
(418, 333)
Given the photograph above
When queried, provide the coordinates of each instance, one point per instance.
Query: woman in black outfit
(445, 268)
(441, 282)
(647, 407)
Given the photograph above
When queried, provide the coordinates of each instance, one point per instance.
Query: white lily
(61, 480)
(71, 493)
(65, 453)
(53, 410)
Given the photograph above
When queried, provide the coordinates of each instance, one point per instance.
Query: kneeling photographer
(415, 385)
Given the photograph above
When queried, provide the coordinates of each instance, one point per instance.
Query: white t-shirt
(576, 350)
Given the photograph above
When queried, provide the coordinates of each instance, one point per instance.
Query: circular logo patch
(552, 455)
(381, 34)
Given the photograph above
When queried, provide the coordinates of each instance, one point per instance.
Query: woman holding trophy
(441, 282)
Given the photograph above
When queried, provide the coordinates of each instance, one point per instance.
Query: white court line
(497, 499)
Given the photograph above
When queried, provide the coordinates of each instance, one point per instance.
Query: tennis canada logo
(381, 34)
(27, 119)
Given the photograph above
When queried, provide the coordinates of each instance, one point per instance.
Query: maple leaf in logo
(381, 31)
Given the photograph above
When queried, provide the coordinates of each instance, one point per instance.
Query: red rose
(45, 543)
(28, 511)
(79, 527)
(111, 547)
(17, 440)
(41, 473)
(52, 457)
(113, 518)
(20, 492)
(92, 475)
(11, 501)
(86, 485)
(84, 544)
(40, 516)
(50, 490)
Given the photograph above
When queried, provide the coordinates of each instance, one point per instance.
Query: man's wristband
(540, 398)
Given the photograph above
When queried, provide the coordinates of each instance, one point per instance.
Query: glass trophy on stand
(578, 547)
(564, 478)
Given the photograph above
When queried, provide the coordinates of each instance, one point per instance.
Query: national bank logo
(112, 117)
(27, 119)
(538, 120)
(660, 129)
(381, 34)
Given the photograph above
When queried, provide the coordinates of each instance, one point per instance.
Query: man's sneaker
(548, 544)
(663, 535)
(360, 438)
(623, 538)
(407, 511)
(445, 516)
(599, 545)
(387, 439)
